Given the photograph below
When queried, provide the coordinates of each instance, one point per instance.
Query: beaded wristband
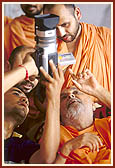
(65, 157)
(27, 76)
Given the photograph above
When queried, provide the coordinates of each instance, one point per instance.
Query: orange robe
(102, 128)
(7, 20)
(93, 52)
(21, 31)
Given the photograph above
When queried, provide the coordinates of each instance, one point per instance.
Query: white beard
(75, 116)
(73, 113)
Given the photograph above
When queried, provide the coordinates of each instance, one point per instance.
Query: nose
(71, 95)
(60, 31)
(24, 99)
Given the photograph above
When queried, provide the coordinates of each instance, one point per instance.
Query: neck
(8, 129)
(79, 125)
(33, 16)
(84, 127)
(78, 33)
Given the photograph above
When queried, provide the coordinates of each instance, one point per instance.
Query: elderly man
(16, 107)
(90, 45)
(84, 140)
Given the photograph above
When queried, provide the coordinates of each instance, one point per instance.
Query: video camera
(46, 47)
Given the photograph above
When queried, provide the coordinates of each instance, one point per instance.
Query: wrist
(32, 69)
(53, 104)
(65, 149)
(64, 153)
(54, 99)
(27, 75)
(98, 91)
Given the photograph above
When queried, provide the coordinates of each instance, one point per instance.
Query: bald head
(49, 7)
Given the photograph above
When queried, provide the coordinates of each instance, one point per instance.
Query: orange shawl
(93, 52)
(21, 31)
(7, 20)
(102, 128)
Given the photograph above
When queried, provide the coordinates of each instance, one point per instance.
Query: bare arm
(87, 83)
(51, 135)
(17, 74)
(89, 140)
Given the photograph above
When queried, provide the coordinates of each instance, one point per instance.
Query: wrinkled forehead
(73, 90)
(70, 89)
(62, 10)
(58, 9)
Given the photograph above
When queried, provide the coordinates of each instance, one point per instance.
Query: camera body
(45, 36)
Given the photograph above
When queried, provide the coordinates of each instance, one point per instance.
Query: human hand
(23, 56)
(30, 65)
(19, 53)
(86, 82)
(53, 85)
(85, 140)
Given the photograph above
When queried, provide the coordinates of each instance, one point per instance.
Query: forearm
(60, 160)
(65, 151)
(12, 77)
(103, 95)
(51, 135)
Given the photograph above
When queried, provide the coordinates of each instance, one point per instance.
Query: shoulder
(103, 121)
(19, 149)
(17, 21)
(87, 27)
(90, 27)
(20, 144)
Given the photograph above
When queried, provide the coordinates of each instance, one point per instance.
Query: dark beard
(73, 36)
(32, 15)
(17, 115)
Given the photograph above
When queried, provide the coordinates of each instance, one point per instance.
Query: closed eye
(63, 96)
(65, 24)
(75, 92)
(16, 93)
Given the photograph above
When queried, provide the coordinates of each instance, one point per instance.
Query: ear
(95, 106)
(7, 66)
(78, 13)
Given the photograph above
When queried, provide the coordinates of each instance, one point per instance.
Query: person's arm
(89, 140)
(87, 83)
(17, 74)
(103, 95)
(51, 134)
